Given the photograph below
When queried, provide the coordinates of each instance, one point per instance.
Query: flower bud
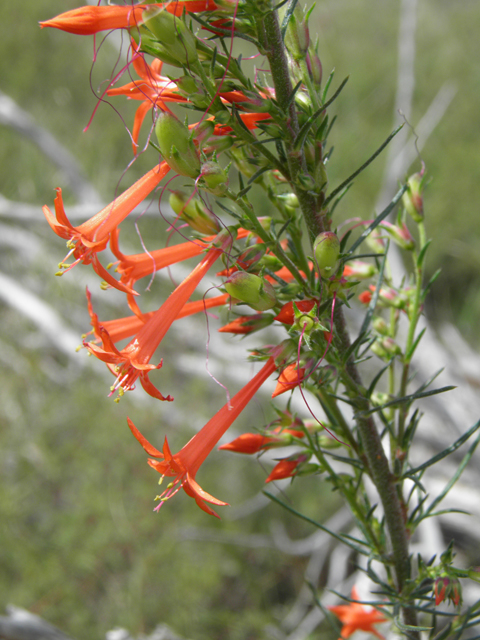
(213, 178)
(297, 36)
(247, 324)
(287, 467)
(176, 145)
(289, 378)
(194, 213)
(400, 235)
(289, 199)
(271, 262)
(314, 66)
(380, 326)
(255, 291)
(412, 198)
(173, 35)
(447, 588)
(326, 250)
(359, 270)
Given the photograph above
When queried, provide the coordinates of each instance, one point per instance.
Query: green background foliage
(79, 544)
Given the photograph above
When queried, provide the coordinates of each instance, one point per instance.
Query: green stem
(414, 316)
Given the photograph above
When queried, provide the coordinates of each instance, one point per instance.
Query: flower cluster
(266, 272)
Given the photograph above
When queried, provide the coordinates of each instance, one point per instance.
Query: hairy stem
(275, 50)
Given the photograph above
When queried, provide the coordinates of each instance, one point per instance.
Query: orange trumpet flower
(132, 362)
(85, 21)
(184, 465)
(152, 89)
(357, 617)
(92, 236)
(122, 328)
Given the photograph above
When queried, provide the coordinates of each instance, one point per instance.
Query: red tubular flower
(152, 89)
(286, 468)
(357, 617)
(132, 362)
(85, 21)
(140, 265)
(122, 328)
(183, 466)
(86, 240)
(134, 267)
(290, 378)
(248, 443)
(251, 443)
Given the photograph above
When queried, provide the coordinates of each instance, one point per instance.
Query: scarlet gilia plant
(225, 133)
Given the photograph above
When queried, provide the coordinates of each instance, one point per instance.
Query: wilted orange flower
(184, 465)
(132, 362)
(85, 21)
(92, 236)
(357, 617)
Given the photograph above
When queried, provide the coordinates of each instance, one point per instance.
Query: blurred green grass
(79, 544)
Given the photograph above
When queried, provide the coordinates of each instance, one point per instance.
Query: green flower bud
(290, 200)
(314, 67)
(297, 37)
(412, 198)
(194, 213)
(176, 145)
(271, 262)
(213, 178)
(173, 35)
(326, 250)
(255, 291)
(380, 326)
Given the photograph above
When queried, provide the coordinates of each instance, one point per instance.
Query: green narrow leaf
(421, 255)
(213, 62)
(408, 399)
(339, 537)
(373, 384)
(456, 476)
(379, 218)
(288, 15)
(292, 95)
(365, 164)
(257, 174)
(302, 134)
(430, 282)
(327, 85)
(446, 452)
(409, 355)
(409, 627)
